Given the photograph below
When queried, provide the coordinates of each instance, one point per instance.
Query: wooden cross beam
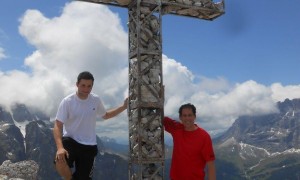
(203, 9)
(146, 95)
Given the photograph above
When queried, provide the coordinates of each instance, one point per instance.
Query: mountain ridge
(254, 147)
(260, 146)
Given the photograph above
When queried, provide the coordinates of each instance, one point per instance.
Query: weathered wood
(146, 131)
(202, 9)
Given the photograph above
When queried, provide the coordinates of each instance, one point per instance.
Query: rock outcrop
(21, 170)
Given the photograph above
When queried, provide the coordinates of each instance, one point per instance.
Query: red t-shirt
(191, 151)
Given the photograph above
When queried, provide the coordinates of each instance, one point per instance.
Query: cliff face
(11, 143)
(40, 147)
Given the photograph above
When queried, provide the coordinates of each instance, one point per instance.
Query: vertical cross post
(146, 133)
(146, 97)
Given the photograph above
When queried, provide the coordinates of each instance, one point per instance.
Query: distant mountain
(111, 146)
(262, 147)
(254, 147)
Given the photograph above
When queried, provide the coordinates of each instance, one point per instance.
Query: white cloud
(280, 93)
(218, 103)
(90, 37)
(80, 39)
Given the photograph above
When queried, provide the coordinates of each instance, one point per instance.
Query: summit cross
(146, 93)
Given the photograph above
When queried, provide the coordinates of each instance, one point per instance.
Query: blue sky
(241, 63)
(258, 40)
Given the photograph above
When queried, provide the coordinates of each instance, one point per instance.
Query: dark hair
(85, 75)
(187, 106)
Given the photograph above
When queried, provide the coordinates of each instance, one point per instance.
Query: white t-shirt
(79, 117)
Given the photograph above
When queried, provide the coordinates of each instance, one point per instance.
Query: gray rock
(5, 117)
(19, 170)
(11, 143)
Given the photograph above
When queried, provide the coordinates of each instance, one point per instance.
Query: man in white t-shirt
(74, 129)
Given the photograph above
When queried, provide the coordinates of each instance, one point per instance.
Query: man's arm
(211, 170)
(113, 112)
(57, 133)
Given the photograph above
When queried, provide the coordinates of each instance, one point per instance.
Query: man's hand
(125, 104)
(61, 155)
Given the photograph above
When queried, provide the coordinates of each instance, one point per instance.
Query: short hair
(85, 75)
(187, 106)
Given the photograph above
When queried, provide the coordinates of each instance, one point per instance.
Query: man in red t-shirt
(193, 148)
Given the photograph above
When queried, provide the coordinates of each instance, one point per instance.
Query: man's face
(188, 118)
(84, 87)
